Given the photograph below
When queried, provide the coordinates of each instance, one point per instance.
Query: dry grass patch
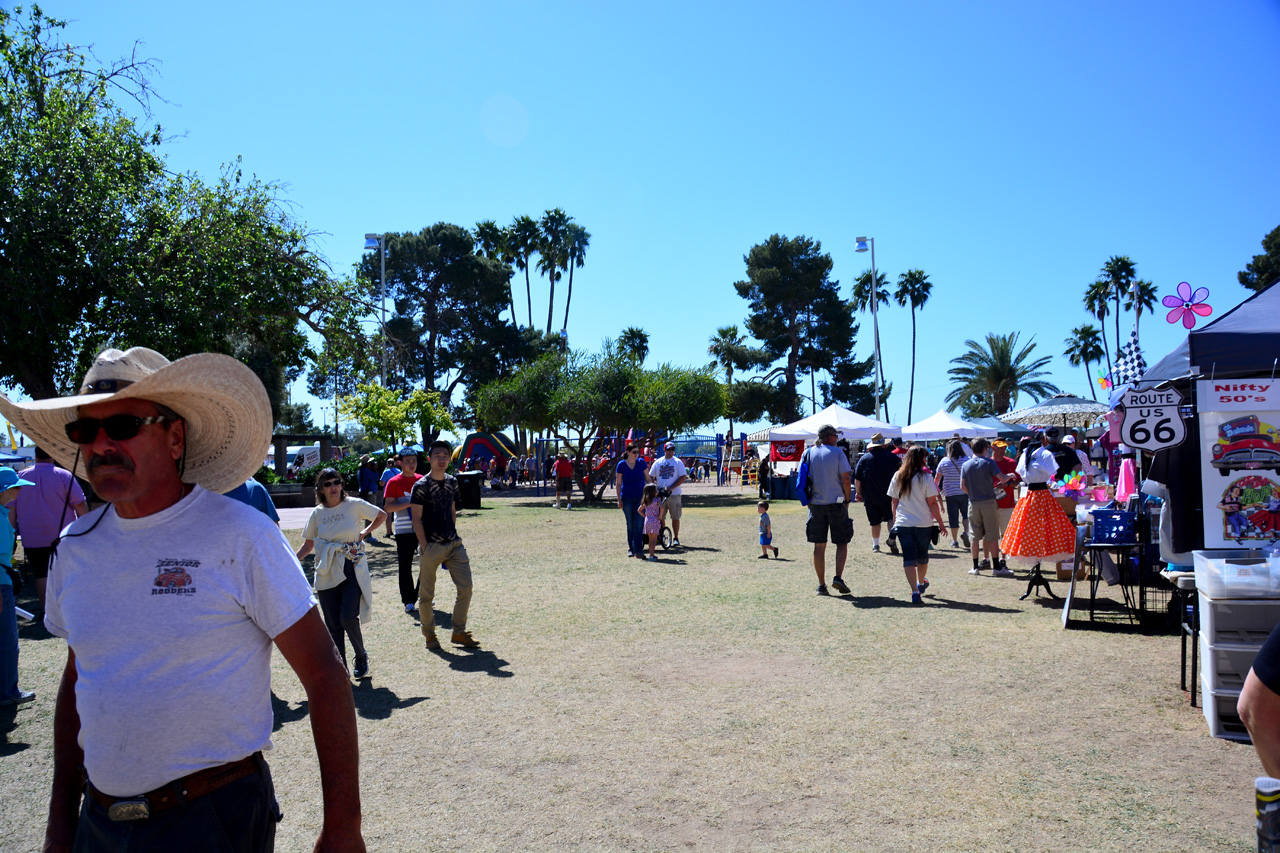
(712, 702)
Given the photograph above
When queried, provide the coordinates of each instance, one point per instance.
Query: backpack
(804, 485)
(1066, 459)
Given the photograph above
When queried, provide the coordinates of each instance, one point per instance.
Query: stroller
(665, 536)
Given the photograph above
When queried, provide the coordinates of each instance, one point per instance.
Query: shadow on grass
(680, 548)
(969, 606)
(474, 660)
(284, 713)
(378, 703)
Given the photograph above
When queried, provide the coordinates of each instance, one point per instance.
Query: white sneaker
(975, 571)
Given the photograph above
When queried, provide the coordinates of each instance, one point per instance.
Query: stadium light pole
(379, 242)
(875, 319)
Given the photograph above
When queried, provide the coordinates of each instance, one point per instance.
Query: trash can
(469, 483)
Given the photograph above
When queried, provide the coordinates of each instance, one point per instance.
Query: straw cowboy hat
(223, 403)
(878, 440)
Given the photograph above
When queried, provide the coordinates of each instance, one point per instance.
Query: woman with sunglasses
(629, 482)
(336, 531)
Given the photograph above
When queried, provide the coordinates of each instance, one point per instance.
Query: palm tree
(491, 242)
(1000, 370)
(634, 342)
(1096, 298)
(1141, 297)
(862, 303)
(522, 241)
(577, 239)
(1083, 348)
(914, 289)
(1118, 272)
(552, 256)
(726, 349)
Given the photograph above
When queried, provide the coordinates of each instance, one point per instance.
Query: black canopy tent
(1245, 341)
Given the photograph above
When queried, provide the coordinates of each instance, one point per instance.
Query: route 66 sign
(1152, 420)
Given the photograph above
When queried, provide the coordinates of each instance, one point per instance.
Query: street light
(875, 319)
(379, 242)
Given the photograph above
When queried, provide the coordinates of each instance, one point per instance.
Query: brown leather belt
(187, 788)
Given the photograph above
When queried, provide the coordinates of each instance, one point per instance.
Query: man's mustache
(115, 460)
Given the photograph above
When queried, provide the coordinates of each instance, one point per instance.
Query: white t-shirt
(171, 619)
(666, 471)
(1042, 469)
(913, 507)
(341, 523)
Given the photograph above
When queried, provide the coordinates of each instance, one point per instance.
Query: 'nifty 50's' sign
(1237, 395)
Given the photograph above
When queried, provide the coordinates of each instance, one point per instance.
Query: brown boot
(432, 642)
(464, 639)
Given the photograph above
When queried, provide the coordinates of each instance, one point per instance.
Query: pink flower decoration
(1187, 305)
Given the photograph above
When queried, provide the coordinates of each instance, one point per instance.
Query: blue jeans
(8, 643)
(239, 817)
(914, 542)
(635, 525)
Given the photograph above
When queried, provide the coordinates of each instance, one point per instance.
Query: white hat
(1070, 439)
(223, 402)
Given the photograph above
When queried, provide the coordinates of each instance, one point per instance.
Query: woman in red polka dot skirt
(1039, 531)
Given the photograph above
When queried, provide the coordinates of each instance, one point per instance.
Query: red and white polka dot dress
(1039, 531)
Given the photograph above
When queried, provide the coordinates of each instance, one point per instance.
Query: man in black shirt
(871, 478)
(433, 511)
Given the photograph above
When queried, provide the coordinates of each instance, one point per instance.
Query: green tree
(295, 418)
(449, 302)
(553, 253)
(634, 342)
(796, 313)
(914, 289)
(577, 239)
(523, 237)
(1083, 348)
(1000, 371)
(492, 242)
(729, 352)
(1264, 269)
(390, 416)
(1097, 298)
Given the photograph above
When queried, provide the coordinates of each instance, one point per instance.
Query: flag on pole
(1130, 365)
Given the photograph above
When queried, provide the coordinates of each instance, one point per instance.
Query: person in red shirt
(398, 490)
(563, 471)
(1006, 495)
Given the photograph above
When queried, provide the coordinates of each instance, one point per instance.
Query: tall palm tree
(914, 289)
(552, 258)
(634, 342)
(1083, 348)
(1141, 297)
(491, 243)
(999, 369)
(1118, 272)
(862, 304)
(1096, 302)
(726, 348)
(577, 239)
(522, 240)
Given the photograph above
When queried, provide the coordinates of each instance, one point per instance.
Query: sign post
(1152, 420)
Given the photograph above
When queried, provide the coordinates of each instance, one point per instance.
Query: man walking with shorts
(871, 478)
(979, 477)
(668, 473)
(831, 482)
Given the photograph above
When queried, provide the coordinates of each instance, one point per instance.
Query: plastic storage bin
(1238, 623)
(1225, 668)
(1221, 714)
(1237, 574)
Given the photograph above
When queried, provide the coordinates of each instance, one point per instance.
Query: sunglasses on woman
(327, 483)
(118, 427)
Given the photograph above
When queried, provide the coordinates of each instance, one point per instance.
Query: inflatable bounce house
(480, 447)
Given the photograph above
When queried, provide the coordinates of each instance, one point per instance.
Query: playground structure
(480, 447)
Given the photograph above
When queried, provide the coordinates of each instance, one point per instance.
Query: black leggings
(340, 606)
(406, 544)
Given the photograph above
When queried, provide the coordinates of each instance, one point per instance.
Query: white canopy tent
(851, 425)
(944, 425)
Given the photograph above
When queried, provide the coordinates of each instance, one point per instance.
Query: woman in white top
(914, 499)
(336, 530)
(1039, 530)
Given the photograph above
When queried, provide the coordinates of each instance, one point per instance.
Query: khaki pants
(453, 556)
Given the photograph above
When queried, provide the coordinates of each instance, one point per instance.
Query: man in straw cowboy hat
(169, 599)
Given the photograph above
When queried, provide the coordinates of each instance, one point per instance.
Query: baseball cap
(670, 445)
(999, 442)
(1051, 432)
(1071, 439)
(826, 430)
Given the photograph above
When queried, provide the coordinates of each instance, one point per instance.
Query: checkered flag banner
(1130, 365)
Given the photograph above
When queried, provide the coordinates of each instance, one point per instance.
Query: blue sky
(1007, 149)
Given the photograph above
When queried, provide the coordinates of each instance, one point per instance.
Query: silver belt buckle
(134, 808)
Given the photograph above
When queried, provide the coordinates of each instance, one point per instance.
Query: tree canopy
(389, 416)
(991, 377)
(1264, 269)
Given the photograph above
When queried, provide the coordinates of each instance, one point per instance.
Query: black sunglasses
(118, 427)
(327, 483)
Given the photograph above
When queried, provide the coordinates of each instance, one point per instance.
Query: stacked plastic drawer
(1239, 606)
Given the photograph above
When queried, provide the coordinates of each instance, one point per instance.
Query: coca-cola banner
(786, 451)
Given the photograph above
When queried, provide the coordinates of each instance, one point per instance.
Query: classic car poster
(1240, 462)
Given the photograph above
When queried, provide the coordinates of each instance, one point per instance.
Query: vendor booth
(944, 425)
(787, 443)
(1009, 432)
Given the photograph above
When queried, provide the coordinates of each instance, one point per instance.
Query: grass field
(710, 701)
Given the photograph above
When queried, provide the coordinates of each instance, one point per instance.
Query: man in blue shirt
(831, 479)
(255, 494)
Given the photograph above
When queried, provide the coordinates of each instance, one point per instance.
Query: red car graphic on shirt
(172, 577)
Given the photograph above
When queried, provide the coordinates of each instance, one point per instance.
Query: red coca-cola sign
(786, 451)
